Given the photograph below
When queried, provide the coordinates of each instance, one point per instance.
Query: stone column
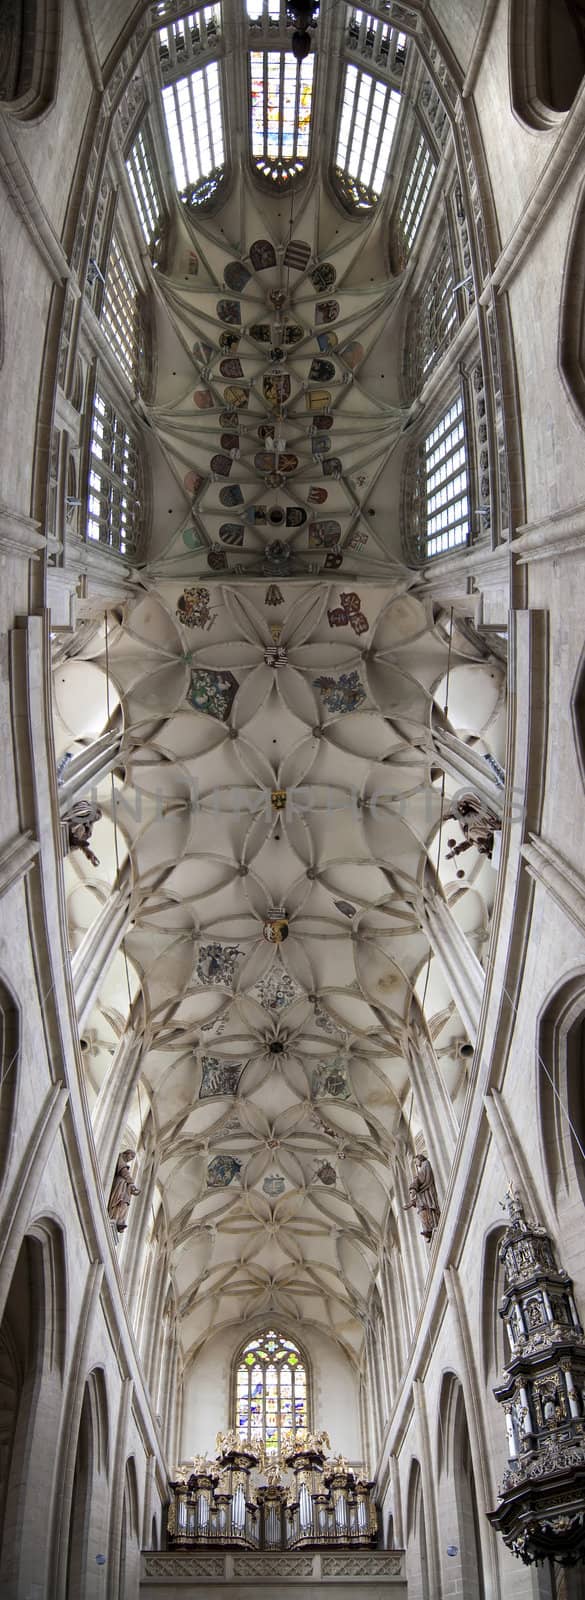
(434, 1108)
(115, 1093)
(98, 947)
(87, 769)
(461, 762)
(394, 1363)
(462, 970)
(138, 1231)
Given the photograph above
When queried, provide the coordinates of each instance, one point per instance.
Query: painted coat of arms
(222, 1170)
(345, 693)
(193, 608)
(212, 692)
(218, 1077)
(216, 963)
(274, 1185)
(330, 1080)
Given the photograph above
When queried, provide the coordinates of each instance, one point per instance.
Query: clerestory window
(194, 119)
(432, 320)
(180, 43)
(367, 124)
(265, 11)
(416, 192)
(145, 189)
(271, 1393)
(436, 505)
(375, 40)
(281, 92)
(114, 499)
(120, 315)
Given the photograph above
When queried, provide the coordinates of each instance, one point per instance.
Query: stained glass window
(271, 1393)
(114, 512)
(369, 111)
(143, 183)
(193, 115)
(120, 318)
(416, 193)
(281, 91)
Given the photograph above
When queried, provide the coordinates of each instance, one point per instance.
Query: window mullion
(365, 132)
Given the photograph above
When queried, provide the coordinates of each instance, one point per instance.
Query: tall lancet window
(369, 112)
(281, 94)
(271, 1393)
(194, 119)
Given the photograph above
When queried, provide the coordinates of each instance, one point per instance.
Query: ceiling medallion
(275, 927)
(541, 1513)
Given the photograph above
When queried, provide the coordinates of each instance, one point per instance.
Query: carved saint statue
(122, 1190)
(80, 820)
(478, 824)
(423, 1197)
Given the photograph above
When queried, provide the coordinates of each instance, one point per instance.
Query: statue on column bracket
(478, 824)
(80, 821)
(122, 1190)
(541, 1510)
(423, 1197)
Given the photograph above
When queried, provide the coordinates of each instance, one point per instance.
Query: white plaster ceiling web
(277, 763)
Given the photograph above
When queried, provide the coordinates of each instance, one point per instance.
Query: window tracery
(184, 40)
(367, 123)
(281, 91)
(120, 315)
(114, 511)
(145, 189)
(29, 56)
(413, 202)
(271, 1393)
(436, 500)
(194, 121)
(432, 321)
(267, 12)
(375, 40)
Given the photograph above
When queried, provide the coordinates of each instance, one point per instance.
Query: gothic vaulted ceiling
(278, 685)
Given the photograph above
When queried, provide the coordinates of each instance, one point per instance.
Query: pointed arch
(32, 1354)
(572, 316)
(457, 1492)
(271, 1389)
(546, 58)
(561, 1091)
(9, 1043)
(30, 36)
(89, 1504)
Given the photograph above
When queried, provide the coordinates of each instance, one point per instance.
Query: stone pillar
(434, 1108)
(115, 1093)
(138, 1232)
(461, 762)
(98, 947)
(394, 1362)
(87, 769)
(462, 970)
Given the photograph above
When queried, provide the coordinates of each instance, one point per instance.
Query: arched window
(432, 319)
(144, 183)
(281, 95)
(194, 119)
(367, 122)
(547, 58)
(412, 202)
(120, 314)
(271, 1392)
(436, 513)
(114, 501)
